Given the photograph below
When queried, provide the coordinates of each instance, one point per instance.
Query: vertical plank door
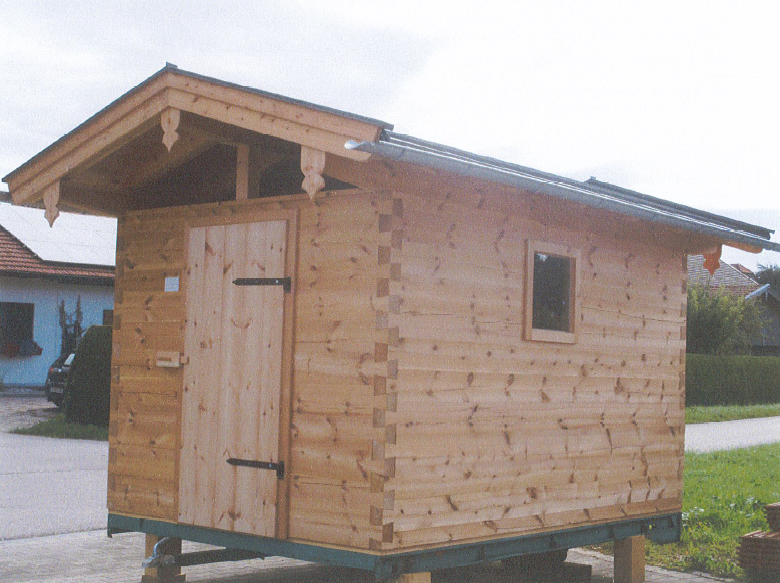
(232, 380)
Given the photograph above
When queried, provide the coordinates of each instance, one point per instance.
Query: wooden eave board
(138, 110)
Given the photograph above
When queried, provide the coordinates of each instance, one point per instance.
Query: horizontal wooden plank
(149, 463)
(141, 497)
(503, 527)
(144, 419)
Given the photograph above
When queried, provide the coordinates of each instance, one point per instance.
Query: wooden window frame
(538, 334)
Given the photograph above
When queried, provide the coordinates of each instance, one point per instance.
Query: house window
(552, 298)
(16, 326)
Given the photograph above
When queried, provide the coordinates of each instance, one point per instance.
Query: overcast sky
(675, 99)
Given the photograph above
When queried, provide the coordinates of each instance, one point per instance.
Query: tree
(719, 322)
(769, 274)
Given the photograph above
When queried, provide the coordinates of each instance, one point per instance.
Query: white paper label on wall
(172, 283)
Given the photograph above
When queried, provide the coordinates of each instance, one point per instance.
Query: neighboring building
(744, 270)
(769, 303)
(41, 271)
(739, 280)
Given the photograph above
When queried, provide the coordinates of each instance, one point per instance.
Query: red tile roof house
(738, 280)
(38, 272)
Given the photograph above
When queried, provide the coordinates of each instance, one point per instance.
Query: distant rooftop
(726, 276)
(74, 239)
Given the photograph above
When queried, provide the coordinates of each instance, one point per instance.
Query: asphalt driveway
(704, 437)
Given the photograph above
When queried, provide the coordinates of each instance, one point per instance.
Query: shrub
(720, 322)
(732, 380)
(87, 390)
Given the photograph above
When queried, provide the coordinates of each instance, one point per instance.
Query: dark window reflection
(552, 293)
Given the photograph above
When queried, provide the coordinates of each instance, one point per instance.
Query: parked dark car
(55, 380)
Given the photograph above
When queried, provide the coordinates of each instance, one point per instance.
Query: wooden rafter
(142, 162)
(156, 101)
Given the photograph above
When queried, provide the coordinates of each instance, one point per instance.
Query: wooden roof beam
(138, 110)
(263, 123)
(101, 145)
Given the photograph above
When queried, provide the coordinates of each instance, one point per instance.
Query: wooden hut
(338, 343)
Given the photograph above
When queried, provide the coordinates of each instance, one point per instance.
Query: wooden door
(233, 380)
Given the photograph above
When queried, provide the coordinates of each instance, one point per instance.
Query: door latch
(285, 282)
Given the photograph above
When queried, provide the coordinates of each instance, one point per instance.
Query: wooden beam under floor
(630, 560)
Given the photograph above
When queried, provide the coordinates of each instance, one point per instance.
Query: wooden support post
(162, 574)
(242, 172)
(630, 560)
(414, 578)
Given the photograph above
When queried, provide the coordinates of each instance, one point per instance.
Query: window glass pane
(16, 323)
(552, 292)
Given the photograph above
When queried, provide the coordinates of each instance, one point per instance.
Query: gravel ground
(23, 408)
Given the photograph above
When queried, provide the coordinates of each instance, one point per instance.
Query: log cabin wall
(420, 415)
(336, 363)
(492, 435)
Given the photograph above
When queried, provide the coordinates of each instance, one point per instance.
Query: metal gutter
(759, 292)
(413, 151)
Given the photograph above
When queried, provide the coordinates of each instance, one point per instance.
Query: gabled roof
(726, 276)
(742, 269)
(214, 110)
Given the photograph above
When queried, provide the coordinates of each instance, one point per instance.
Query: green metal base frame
(664, 528)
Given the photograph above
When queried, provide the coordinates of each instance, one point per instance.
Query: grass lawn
(730, 412)
(725, 495)
(59, 427)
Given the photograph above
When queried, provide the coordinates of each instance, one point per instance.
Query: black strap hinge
(285, 282)
(278, 466)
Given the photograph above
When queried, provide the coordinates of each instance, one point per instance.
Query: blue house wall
(46, 295)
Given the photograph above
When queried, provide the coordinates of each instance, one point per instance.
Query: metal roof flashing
(592, 192)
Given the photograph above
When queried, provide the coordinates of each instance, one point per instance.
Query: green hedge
(732, 380)
(89, 381)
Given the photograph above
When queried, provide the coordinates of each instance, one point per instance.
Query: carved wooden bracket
(51, 196)
(712, 260)
(312, 165)
(169, 120)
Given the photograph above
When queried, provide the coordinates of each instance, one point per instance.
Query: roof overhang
(107, 164)
(161, 100)
(592, 193)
